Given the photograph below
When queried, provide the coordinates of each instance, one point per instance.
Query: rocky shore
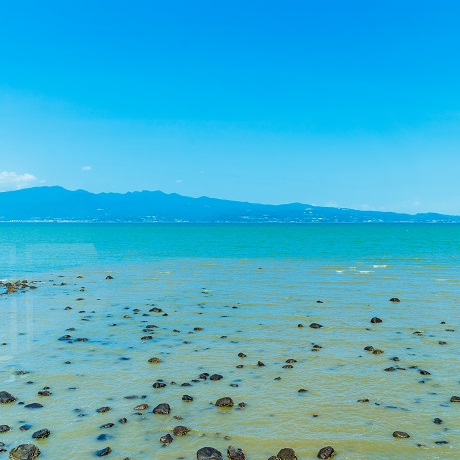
(145, 324)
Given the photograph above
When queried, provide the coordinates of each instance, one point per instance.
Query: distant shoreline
(65, 221)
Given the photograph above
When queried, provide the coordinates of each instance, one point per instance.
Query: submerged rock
(208, 453)
(41, 434)
(180, 430)
(400, 434)
(287, 454)
(225, 402)
(104, 452)
(234, 453)
(24, 452)
(326, 452)
(33, 406)
(162, 409)
(101, 410)
(141, 407)
(376, 320)
(166, 439)
(6, 398)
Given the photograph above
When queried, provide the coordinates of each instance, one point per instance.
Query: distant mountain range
(59, 204)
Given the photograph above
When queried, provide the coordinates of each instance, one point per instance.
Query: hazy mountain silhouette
(58, 204)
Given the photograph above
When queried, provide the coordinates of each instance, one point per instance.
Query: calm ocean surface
(274, 275)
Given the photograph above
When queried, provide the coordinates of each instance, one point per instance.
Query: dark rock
(216, 377)
(204, 376)
(455, 399)
(400, 434)
(208, 453)
(33, 406)
(103, 437)
(241, 355)
(141, 407)
(376, 320)
(101, 410)
(315, 325)
(104, 452)
(260, 364)
(369, 348)
(166, 439)
(302, 390)
(287, 454)
(4, 428)
(154, 360)
(44, 393)
(394, 299)
(234, 453)
(425, 372)
(180, 430)
(187, 398)
(390, 369)
(123, 420)
(437, 420)
(41, 434)
(159, 385)
(108, 277)
(326, 452)
(162, 409)
(224, 402)
(6, 397)
(107, 425)
(377, 351)
(24, 452)
(25, 427)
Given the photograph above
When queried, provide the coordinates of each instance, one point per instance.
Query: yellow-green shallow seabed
(100, 301)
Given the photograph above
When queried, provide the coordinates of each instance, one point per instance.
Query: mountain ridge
(55, 203)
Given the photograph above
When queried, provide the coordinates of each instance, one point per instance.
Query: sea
(236, 301)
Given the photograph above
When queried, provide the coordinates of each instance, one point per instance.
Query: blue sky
(335, 103)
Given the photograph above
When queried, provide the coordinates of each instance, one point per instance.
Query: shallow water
(274, 275)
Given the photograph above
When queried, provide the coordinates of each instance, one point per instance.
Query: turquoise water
(274, 275)
(41, 247)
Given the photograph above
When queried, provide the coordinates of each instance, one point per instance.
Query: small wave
(380, 266)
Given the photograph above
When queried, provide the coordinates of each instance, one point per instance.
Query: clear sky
(341, 103)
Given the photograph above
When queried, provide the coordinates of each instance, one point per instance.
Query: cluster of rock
(12, 287)
(233, 453)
